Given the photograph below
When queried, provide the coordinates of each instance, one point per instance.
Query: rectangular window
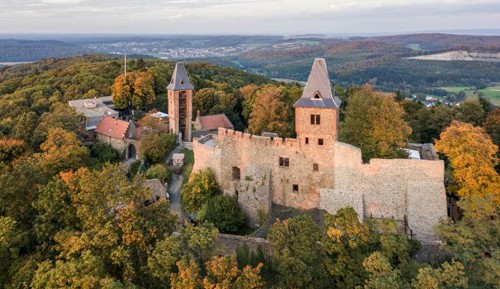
(295, 188)
(320, 141)
(307, 140)
(284, 162)
(315, 168)
(315, 119)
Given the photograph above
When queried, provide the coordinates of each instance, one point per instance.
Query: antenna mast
(125, 65)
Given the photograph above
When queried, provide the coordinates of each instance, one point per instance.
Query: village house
(210, 124)
(121, 135)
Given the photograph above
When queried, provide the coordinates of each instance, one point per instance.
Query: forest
(71, 216)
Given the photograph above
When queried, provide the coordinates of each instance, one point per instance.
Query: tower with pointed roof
(180, 103)
(317, 111)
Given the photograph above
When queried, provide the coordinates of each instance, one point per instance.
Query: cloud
(244, 16)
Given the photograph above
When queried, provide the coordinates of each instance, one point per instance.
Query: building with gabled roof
(316, 171)
(212, 123)
(120, 134)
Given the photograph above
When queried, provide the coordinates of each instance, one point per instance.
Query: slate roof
(214, 121)
(112, 127)
(318, 89)
(180, 79)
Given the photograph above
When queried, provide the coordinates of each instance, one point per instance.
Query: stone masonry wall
(383, 188)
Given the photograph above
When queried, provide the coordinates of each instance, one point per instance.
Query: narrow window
(284, 162)
(307, 140)
(236, 173)
(316, 95)
(315, 168)
(295, 188)
(312, 119)
(317, 119)
(320, 141)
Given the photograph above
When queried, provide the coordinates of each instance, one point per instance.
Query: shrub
(104, 153)
(223, 211)
(158, 171)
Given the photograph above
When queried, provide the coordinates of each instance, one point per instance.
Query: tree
(492, 126)
(134, 90)
(11, 149)
(189, 276)
(470, 111)
(223, 211)
(200, 241)
(157, 146)
(223, 273)
(472, 157)
(26, 124)
(298, 253)
(271, 113)
(162, 260)
(11, 242)
(200, 188)
(344, 245)
(85, 272)
(62, 116)
(62, 151)
(374, 123)
(104, 152)
(473, 240)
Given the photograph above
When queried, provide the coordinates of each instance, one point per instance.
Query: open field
(492, 93)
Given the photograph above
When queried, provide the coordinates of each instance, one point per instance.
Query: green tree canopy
(374, 122)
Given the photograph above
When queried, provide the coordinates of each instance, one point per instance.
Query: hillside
(13, 50)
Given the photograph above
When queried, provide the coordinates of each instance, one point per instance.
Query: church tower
(317, 111)
(180, 103)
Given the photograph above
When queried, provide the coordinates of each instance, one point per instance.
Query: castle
(315, 170)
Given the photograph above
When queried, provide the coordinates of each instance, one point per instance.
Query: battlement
(257, 139)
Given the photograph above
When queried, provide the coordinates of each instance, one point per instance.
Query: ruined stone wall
(118, 144)
(383, 188)
(389, 188)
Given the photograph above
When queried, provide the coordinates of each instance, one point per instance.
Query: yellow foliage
(472, 156)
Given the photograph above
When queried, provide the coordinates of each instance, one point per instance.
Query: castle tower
(180, 103)
(317, 111)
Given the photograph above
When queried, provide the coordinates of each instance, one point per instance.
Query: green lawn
(492, 93)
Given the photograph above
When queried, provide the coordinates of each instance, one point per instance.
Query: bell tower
(180, 103)
(317, 111)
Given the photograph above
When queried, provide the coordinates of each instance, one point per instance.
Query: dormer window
(317, 95)
(182, 81)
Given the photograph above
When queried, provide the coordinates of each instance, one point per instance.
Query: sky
(246, 16)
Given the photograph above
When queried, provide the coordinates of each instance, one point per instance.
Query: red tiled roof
(112, 127)
(214, 121)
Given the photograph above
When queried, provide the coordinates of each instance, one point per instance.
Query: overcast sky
(245, 16)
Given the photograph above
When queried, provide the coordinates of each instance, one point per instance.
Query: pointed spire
(318, 89)
(180, 80)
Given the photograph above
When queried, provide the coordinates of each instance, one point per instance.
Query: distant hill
(436, 41)
(14, 50)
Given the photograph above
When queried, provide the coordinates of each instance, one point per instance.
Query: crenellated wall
(383, 188)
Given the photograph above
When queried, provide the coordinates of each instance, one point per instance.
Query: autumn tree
(162, 260)
(200, 188)
(134, 90)
(271, 113)
(200, 241)
(472, 156)
(11, 149)
(374, 123)
(189, 276)
(62, 151)
(213, 101)
(223, 273)
(12, 239)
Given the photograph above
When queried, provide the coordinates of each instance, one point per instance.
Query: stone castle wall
(383, 188)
